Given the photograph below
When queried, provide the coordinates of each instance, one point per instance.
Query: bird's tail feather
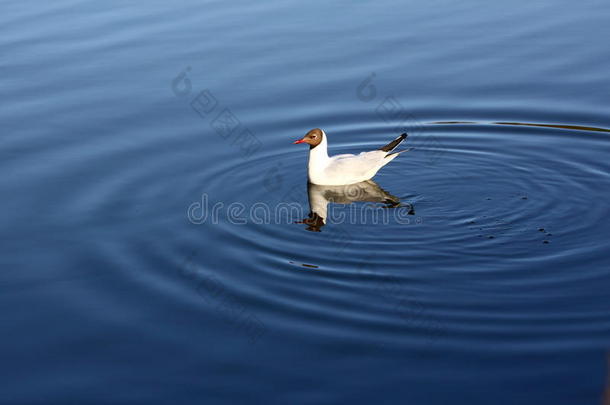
(397, 153)
(392, 145)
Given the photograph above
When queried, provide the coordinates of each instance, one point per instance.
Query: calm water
(146, 147)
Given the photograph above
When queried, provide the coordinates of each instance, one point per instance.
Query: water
(484, 280)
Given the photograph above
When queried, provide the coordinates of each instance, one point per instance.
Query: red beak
(299, 141)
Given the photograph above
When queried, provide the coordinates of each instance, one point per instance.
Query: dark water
(125, 123)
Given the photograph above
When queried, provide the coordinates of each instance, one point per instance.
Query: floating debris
(310, 266)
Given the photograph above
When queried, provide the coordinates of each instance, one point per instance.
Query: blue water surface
(156, 242)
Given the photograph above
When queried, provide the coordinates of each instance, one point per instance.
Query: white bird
(344, 169)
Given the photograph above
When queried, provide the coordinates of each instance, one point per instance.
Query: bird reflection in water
(366, 191)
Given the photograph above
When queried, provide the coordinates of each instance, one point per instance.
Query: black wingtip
(390, 146)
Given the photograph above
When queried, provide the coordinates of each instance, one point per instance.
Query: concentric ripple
(144, 249)
(488, 201)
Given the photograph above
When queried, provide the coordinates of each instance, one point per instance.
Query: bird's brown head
(313, 138)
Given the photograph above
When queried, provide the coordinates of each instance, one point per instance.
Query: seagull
(345, 169)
